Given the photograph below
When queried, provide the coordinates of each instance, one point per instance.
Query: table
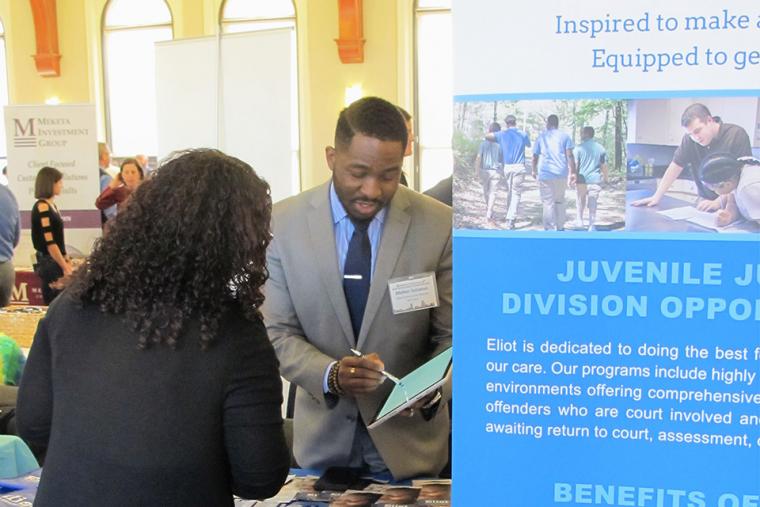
(646, 219)
(27, 289)
(20, 322)
(15, 457)
(300, 489)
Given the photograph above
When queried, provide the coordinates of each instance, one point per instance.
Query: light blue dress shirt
(344, 229)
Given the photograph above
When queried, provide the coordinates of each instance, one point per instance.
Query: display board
(63, 137)
(608, 357)
(233, 93)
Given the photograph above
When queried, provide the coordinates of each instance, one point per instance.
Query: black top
(47, 227)
(130, 427)
(730, 138)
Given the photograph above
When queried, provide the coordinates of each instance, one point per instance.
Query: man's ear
(330, 157)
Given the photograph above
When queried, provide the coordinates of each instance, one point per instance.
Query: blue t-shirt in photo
(589, 157)
(490, 156)
(513, 142)
(551, 147)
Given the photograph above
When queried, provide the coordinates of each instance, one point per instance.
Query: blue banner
(604, 369)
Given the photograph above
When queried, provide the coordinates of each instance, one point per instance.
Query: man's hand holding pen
(360, 374)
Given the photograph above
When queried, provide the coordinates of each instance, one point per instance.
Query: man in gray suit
(311, 309)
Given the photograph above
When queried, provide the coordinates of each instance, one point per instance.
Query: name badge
(413, 293)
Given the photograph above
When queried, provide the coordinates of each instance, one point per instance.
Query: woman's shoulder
(67, 301)
(238, 322)
(66, 310)
(41, 205)
(243, 331)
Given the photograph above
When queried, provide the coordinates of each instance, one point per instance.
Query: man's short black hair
(494, 127)
(371, 117)
(510, 120)
(695, 111)
(407, 116)
(552, 120)
(588, 132)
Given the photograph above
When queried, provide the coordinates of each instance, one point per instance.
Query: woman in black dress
(47, 233)
(151, 379)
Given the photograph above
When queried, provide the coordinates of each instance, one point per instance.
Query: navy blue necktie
(356, 273)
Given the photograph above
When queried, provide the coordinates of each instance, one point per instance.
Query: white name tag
(412, 293)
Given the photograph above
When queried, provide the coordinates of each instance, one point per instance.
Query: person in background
(554, 167)
(130, 176)
(151, 379)
(13, 360)
(591, 159)
(4, 177)
(336, 247)
(705, 134)
(442, 191)
(488, 167)
(104, 162)
(47, 233)
(513, 142)
(737, 183)
(409, 141)
(10, 233)
(144, 162)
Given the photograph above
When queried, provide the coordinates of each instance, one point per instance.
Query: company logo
(24, 135)
(19, 294)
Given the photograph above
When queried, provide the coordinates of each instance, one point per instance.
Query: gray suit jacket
(308, 322)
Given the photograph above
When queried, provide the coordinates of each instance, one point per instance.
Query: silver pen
(384, 373)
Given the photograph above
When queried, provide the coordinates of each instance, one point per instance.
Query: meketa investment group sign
(63, 137)
(607, 251)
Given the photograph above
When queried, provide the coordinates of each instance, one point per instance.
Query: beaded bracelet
(332, 380)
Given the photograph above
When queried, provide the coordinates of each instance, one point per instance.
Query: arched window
(3, 91)
(130, 30)
(262, 15)
(433, 90)
(254, 15)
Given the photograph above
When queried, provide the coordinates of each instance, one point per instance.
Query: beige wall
(25, 85)
(328, 77)
(322, 77)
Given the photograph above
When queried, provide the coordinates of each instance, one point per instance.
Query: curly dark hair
(191, 239)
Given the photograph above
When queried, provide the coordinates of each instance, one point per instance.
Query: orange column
(351, 41)
(47, 59)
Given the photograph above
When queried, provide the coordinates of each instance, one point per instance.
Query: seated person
(737, 182)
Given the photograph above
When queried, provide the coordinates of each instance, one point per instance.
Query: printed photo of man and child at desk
(649, 165)
(692, 165)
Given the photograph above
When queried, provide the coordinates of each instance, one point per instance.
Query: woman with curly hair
(151, 379)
